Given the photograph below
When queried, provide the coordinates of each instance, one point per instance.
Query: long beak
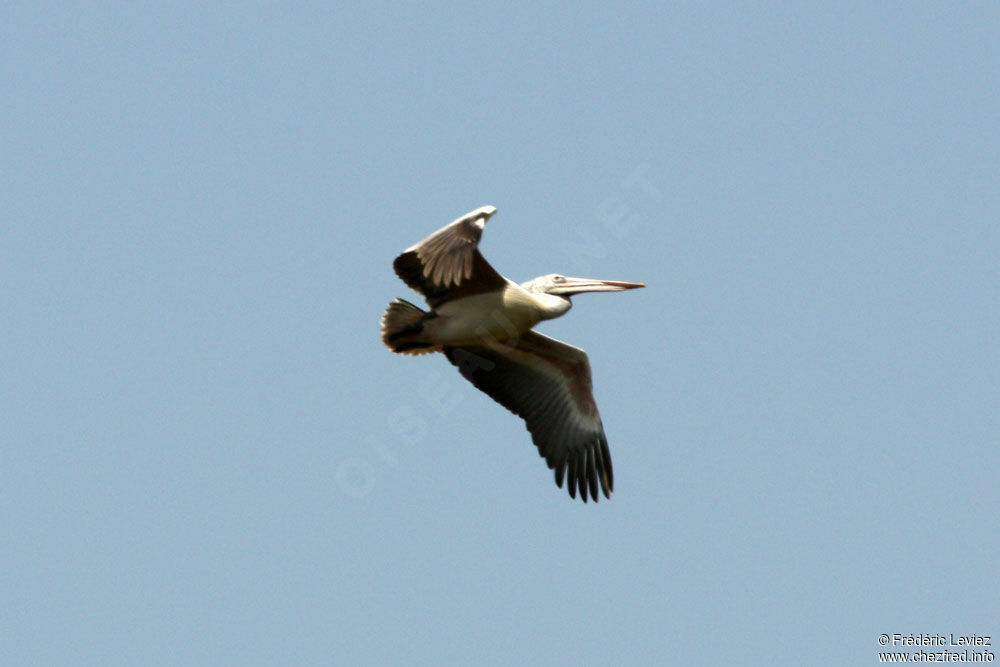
(579, 285)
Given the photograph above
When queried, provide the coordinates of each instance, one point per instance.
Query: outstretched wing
(447, 264)
(547, 383)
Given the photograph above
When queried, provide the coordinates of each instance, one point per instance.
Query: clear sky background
(208, 456)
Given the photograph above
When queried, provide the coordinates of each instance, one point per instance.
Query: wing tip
(586, 470)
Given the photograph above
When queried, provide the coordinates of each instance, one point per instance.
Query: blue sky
(209, 458)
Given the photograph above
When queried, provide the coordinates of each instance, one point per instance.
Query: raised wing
(547, 383)
(447, 264)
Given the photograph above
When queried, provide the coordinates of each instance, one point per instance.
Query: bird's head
(564, 286)
(554, 290)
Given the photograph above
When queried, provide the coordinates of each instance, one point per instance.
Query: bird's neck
(552, 306)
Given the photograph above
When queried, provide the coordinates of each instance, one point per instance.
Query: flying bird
(482, 322)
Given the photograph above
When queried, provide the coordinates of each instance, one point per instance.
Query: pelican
(482, 323)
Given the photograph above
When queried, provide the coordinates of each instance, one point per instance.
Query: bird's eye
(557, 279)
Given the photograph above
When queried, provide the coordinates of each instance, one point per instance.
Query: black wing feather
(447, 264)
(547, 383)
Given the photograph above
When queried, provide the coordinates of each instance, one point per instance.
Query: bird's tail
(401, 324)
